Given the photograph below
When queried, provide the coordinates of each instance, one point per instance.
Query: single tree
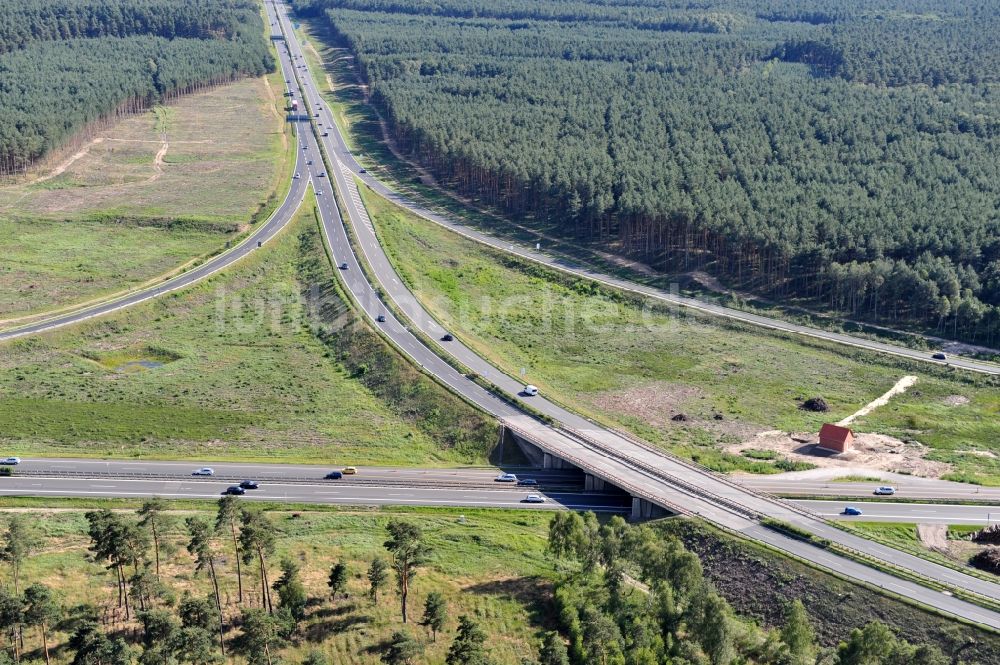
(226, 519)
(602, 640)
(553, 651)
(798, 635)
(401, 649)
(291, 592)
(259, 636)
(151, 517)
(11, 618)
(469, 645)
(160, 633)
(195, 612)
(41, 609)
(257, 541)
(197, 646)
(200, 546)
(378, 575)
(408, 552)
(435, 613)
(20, 540)
(92, 647)
(338, 579)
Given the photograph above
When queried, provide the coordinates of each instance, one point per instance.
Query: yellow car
(349, 470)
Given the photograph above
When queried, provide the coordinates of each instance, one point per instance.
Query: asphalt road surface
(913, 513)
(630, 464)
(910, 488)
(318, 492)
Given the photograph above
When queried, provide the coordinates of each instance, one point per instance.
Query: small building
(835, 438)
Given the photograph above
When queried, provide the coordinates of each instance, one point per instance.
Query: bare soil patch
(956, 400)
(664, 404)
(934, 536)
(877, 452)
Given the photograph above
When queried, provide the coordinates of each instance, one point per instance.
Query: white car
(204, 471)
(506, 478)
(885, 491)
(534, 498)
(530, 390)
(8, 461)
(296, 176)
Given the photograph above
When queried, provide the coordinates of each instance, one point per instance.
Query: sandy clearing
(870, 452)
(900, 387)
(68, 162)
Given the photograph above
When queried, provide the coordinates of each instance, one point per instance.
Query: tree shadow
(321, 630)
(534, 593)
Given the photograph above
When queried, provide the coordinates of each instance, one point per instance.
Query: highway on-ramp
(257, 239)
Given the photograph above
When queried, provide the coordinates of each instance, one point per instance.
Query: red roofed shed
(835, 438)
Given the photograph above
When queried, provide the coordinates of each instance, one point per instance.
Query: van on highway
(529, 391)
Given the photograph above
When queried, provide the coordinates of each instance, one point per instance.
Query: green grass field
(490, 564)
(131, 207)
(636, 365)
(234, 370)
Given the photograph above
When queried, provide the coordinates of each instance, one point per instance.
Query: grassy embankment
(491, 566)
(246, 373)
(759, 583)
(637, 364)
(130, 208)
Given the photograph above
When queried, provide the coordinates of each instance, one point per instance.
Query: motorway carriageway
(470, 487)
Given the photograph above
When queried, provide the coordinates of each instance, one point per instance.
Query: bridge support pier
(552, 462)
(645, 510)
(593, 483)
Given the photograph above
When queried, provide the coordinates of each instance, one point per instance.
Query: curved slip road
(627, 463)
(260, 236)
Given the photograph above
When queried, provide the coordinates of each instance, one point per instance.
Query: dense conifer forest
(67, 63)
(842, 152)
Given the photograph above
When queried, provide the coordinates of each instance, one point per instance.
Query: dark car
(250, 484)
(334, 475)
(380, 318)
(235, 489)
(939, 356)
(322, 175)
(362, 171)
(326, 133)
(447, 337)
(527, 482)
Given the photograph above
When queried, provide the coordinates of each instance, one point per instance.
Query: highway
(629, 464)
(342, 492)
(907, 487)
(386, 485)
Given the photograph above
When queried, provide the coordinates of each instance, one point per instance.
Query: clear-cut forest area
(66, 64)
(839, 154)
